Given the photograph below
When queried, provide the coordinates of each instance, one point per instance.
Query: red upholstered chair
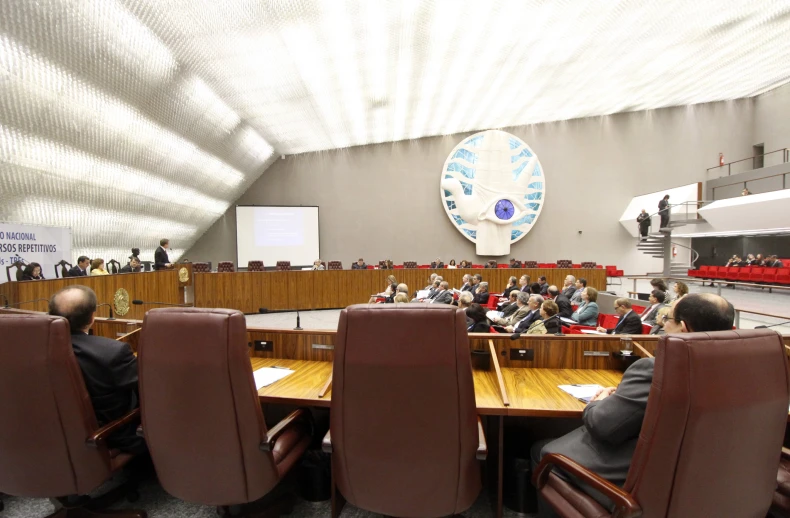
(335, 265)
(564, 263)
(757, 274)
(530, 264)
(51, 445)
(476, 266)
(732, 273)
(588, 264)
(398, 267)
(503, 265)
(699, 452)
(769, 275)
(200, 268)
(744, 273)
(202, 419)
(783, 276)
(638, 309)
(254, 266)
(283, 265)
(225, 267)
(410, 264)
(612, 271)
(405, 437)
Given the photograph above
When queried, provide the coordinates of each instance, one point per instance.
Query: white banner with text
(46, 246)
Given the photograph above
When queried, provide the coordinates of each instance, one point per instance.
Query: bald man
(109, 367)
(613, 419)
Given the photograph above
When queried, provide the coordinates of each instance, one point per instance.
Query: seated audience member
(515, 264)
(544, 287)
(430, 284)
(476, 280)
(402, 288)
(775, 262)
(681, 289)
(443, 295)
(481, 294)
(534, 303)
(650, 313)
(545, 326)
(511, 286)
(759, 261)
(569, 286)
(562, 302)
(629, 323)
(467, 285)
(108, 366)
(612, 421)
(392, 285)
(734, 261)
(317, 265)
(132, 267)
(464, 301)
(451, 265)
(587, 312)
(660, 285)
(491, 264)
(477, 314)
(359, 265)
(389, 293)
(536, 289)
(401, 297)
(437, 263)
(434, 289)
(524, 283)
(750, 259)
(97, 267)
(581, 283)
(463, 264)
(661, 319)
(81, 268)
(509, 307)
(32, 272)
(522, 310)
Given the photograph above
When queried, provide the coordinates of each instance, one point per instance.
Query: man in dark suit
(443, 295)
(359, 265)
(629, 324)
(663, 208)
(108, 366)
(569, 287)
(437, 264)
(511, 286)
(515, 264)
(161, 259)
(613, 419)
(81, 270)
(566, 310)
(644, 223)
(544, 286)
(534, 304)
(650, 314)
(476, 279)
(481, 294)
(132, 267)
(524, 283)
(467, 286)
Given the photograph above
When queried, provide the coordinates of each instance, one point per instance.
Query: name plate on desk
(596, 353)
(324, 346)
(522, 354)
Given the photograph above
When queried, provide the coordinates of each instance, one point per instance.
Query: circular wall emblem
(493, 190)
(121, 302)
(183, 275)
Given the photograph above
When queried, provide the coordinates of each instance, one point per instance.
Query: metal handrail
(785, 158)
(685, 203)
(688, 247)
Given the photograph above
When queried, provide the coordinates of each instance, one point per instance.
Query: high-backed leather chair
(711, 436)
(20, 270)
(283, 265)
(588, 264)
(780, 506)
(335, 265)
(564, 263)
(202, 418)
(404, 427)
(255, 266)
(410, 264)
(201, 268)
(113, 266)
(51, 445)
(530, 264)
(64, 266)
(225, 267)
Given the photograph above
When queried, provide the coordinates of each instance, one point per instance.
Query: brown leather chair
(530, 264)
(51, 445)
(711, 436)
(410, 265)
(404, 429)
(225, 266)
(255, 266)
(283, 265)
(588, 264)
(201, 268)
(564, 263)
(201, 415)
(335, 265)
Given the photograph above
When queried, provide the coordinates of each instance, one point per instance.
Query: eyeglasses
(665, 318)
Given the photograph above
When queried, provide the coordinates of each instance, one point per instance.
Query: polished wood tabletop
(300, 388)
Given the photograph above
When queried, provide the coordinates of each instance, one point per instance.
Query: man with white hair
(534, 314)
(481, 294)
(443, 294)
(467, 286)
(522, 300)
(569, 287)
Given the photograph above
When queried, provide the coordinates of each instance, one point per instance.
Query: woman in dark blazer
(32, 272)
(480, 322)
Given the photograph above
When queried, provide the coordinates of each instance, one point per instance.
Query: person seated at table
(545, 326)
(81, 268)
(359, 265)
(587, 312)
(508, 303)
(536, 289)
(534, 303)
(517, 315)
(612, 420)
(514, 263)
(109, 368)
(451, 265)
(562, 302)
(437, 263)
(97, 267)
(32, 272)
(463, 264)
(481, 294)
(400, 298)
(477, 314)
(511, 286)
(629, 323)
(132, 267)
(491, 264)
(581, 283)
(318, 265)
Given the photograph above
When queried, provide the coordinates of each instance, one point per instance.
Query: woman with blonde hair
(401, 297)
(547, 310)
(97, 267)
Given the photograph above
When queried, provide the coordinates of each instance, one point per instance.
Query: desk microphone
(138, 302)
(298, 325)
(516, 336)
(25, 302)
(773, 325)
(109, 306)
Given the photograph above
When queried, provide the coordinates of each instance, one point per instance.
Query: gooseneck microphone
(516, 336)
(25, 302)
(138, 302)
(109, 306)
(298, 326)
(772, 325)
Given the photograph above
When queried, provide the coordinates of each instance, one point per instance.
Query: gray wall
(772, 122)
(382, 201)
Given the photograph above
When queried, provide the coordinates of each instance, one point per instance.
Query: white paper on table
(268, 375)
(493, 315)
(591, 332)
(423, 294)
(568, 321)
(582, 392)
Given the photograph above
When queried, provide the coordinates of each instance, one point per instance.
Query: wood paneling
(248, 291)
(293, 345)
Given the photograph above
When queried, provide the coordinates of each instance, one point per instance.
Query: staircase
(659, 245)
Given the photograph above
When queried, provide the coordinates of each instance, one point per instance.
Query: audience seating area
(757, 274)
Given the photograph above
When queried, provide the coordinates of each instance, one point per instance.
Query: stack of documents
(268, 375)
(581, 392)
(493, 315)
(592, 332)
(568, 321)
(423, 294)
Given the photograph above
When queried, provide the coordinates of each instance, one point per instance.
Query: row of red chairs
(743, 274)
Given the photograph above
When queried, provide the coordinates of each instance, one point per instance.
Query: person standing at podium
(161, 259)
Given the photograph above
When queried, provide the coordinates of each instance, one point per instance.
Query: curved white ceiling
(130, 120)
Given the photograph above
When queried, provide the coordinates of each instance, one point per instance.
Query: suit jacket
(631, 324)
(480, 327)
(437, 265)
(76, 272)
(577, 297)
(606, 442)
(565, 305)
(569, 291)
(27, 277)
(509, 309)
(481, 298)
(587, 314)
(110, 372)
(651, 314)
(544, 289)
(355, 266)
(528, 320)
(539, 327)
(644, 221)
(515, 318)
(525, 288)
(662, 206)
(128, 269)
(160, 258)
(466, 287)
(517, 264)
(507, 291)
(445, 297)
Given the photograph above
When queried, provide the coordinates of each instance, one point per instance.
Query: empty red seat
(721, 272)
(577, 265)
(769, 275)
(783, 276)
(732, 273)
(744, 273)
(638, 309)
(477, 266)
(757, 274)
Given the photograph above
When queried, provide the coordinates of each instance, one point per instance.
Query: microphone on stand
(298, 326)
(109, 306)
(25, 302)
(138, 302)
(773, 325)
